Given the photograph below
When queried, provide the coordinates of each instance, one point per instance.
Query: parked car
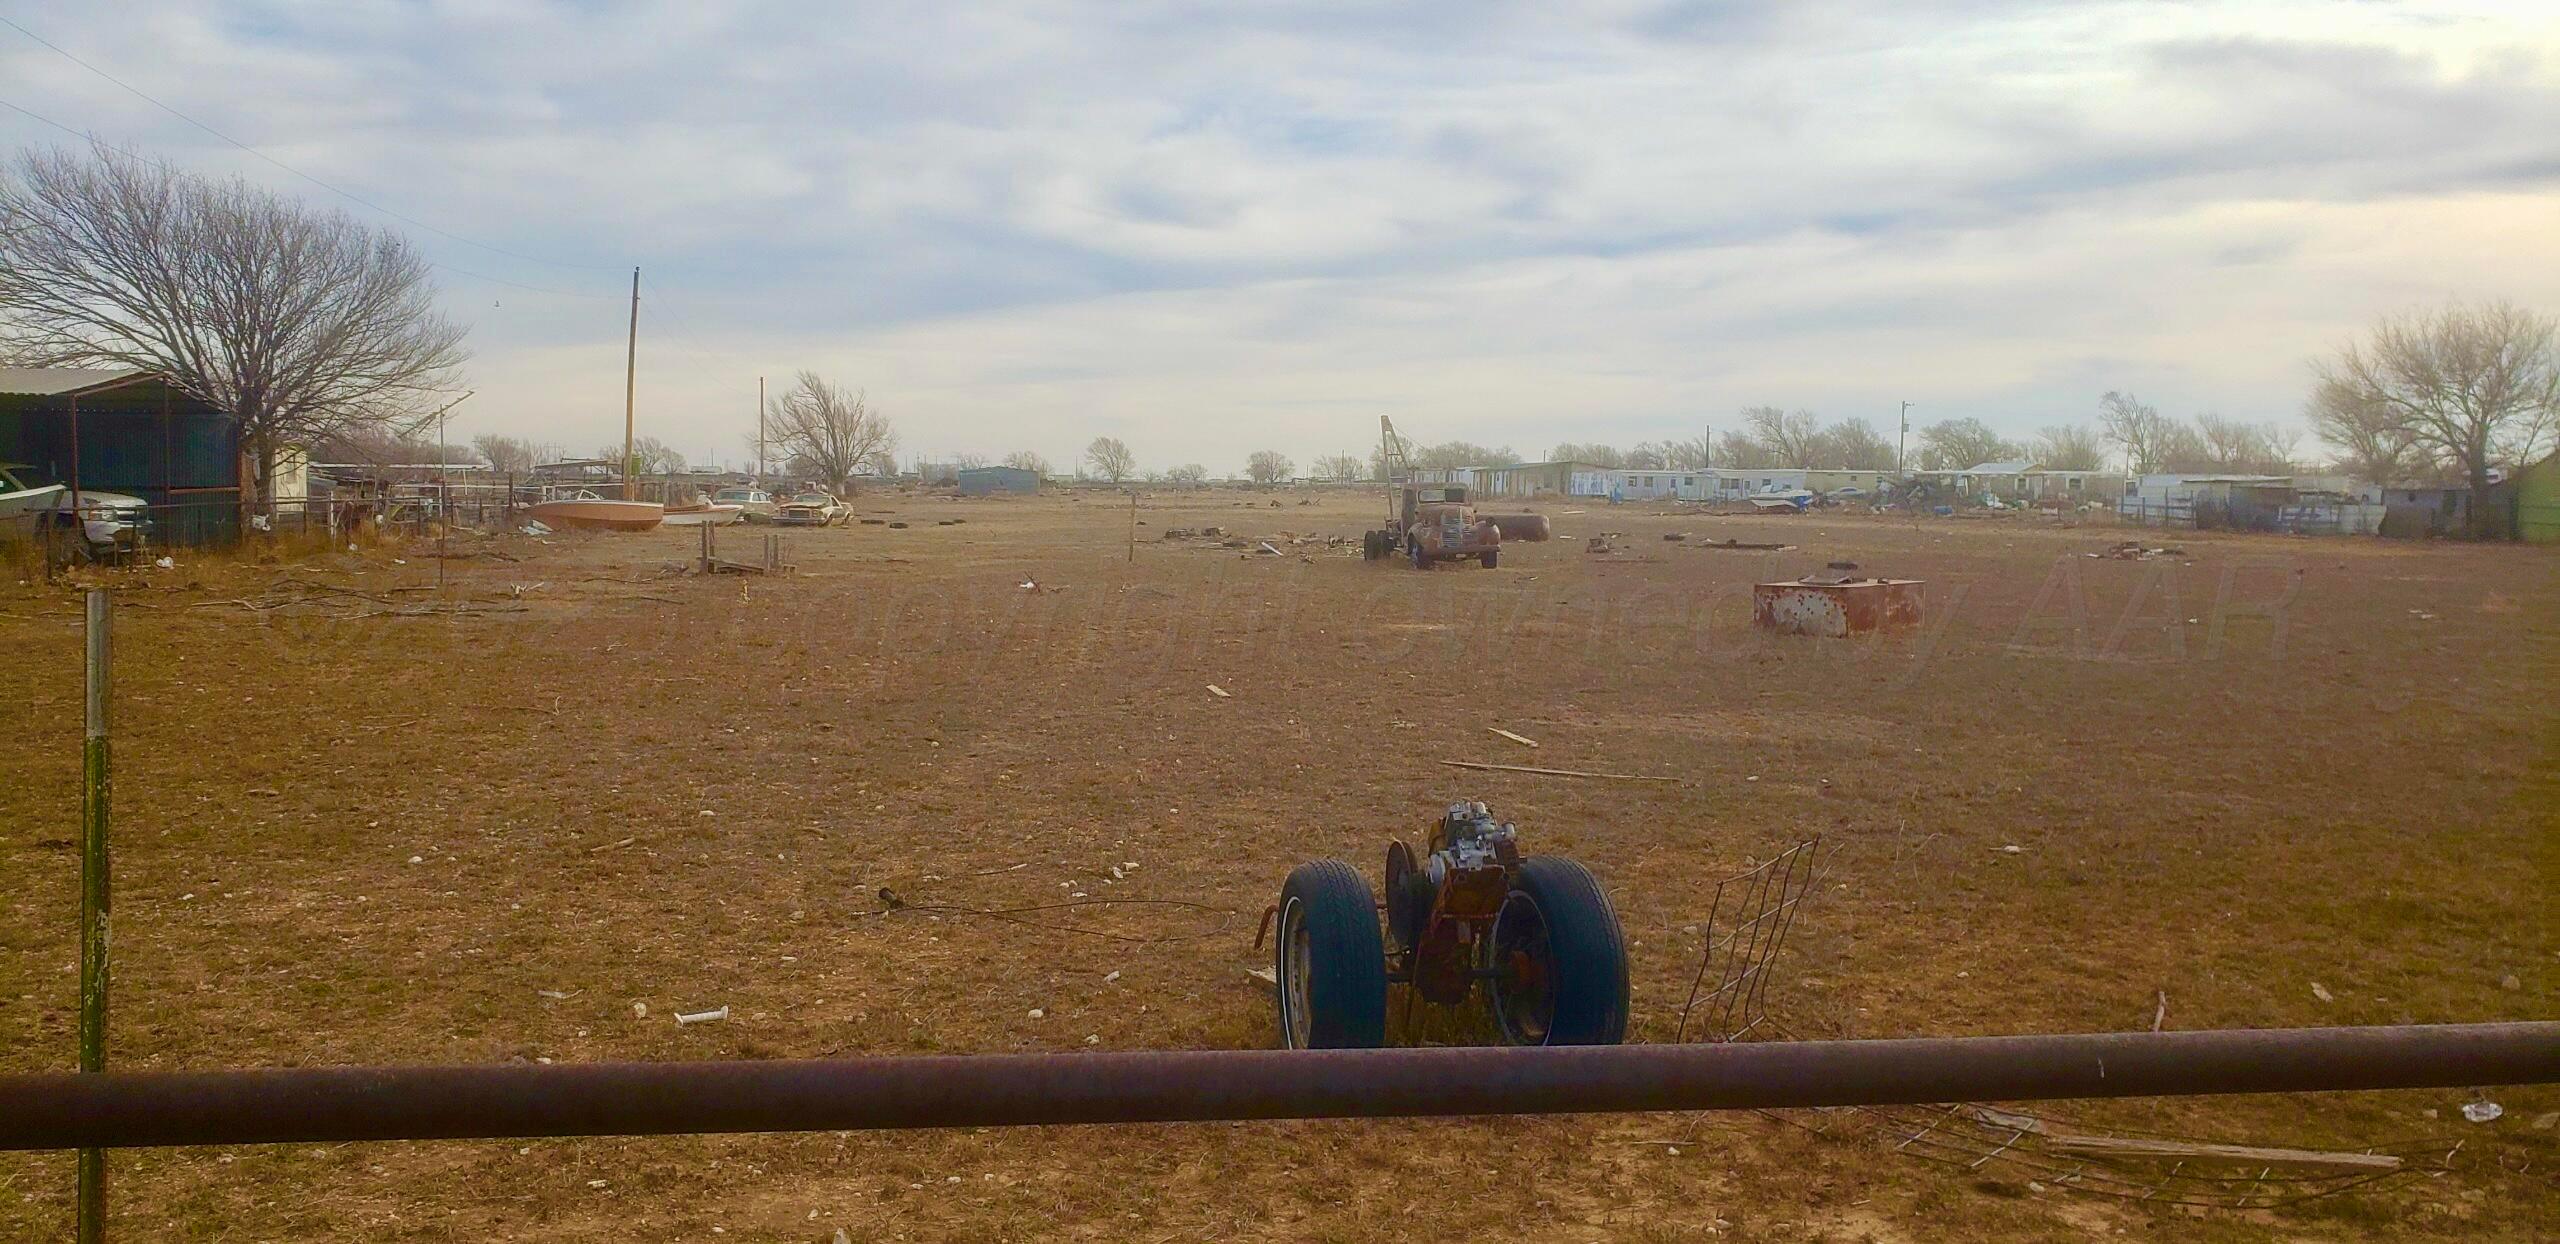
(104, 520)
(754, 503)
(813, 508)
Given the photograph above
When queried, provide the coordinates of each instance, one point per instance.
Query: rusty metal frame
(130, 1109)
(1747, 922)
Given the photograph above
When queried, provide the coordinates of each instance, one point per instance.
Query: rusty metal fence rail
(127, 1109)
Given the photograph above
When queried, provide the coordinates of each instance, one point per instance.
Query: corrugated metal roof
(53, 381)
(2019, 467)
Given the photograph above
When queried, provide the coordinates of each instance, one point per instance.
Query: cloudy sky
(1211, 228)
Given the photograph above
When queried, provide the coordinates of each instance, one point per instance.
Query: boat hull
(715, 515)
(592, 515)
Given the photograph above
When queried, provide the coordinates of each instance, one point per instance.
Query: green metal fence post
(93, 905)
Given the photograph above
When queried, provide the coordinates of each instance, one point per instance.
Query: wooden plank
(1571, 773)
(1522, 741)
(2309, 1160)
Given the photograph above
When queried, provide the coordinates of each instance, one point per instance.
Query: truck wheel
(1331, 965)
(1373, 545)
(1560, 958)
(1491, 558)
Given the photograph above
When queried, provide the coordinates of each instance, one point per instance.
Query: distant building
(932, 474)
(983, 481)
(1542, 479)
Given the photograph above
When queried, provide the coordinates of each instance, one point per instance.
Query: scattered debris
(1220, 692)
(702, 1017)
(1571, 773)
(2321, 992)
(1741, 544)
(2482, 1111)
(1524, 742)
(1268, 976)
(1675, 537)
(2134, 551)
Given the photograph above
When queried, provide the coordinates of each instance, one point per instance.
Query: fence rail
(126, 1109)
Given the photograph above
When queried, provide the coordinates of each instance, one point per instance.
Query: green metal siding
(182, 454)
(2538, 502)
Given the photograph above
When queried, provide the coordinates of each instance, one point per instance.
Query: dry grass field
(503, 835)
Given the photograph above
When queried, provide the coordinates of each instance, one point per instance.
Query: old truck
(1433, 523)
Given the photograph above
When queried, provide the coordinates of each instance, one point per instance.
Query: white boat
(702, 512)
(1789, 502)
(594, 513)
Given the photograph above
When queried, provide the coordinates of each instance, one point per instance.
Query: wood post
(95, 787)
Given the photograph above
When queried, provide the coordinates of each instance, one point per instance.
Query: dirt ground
(2279, 781)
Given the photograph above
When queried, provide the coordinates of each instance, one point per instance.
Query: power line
(146, 97)
(32, 116)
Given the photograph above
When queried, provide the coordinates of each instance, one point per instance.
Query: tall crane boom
(1391, 455)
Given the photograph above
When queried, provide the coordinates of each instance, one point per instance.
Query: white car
(107, 519)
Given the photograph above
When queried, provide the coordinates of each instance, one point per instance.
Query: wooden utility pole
(759, 431)
(630, 387)
(94, 789)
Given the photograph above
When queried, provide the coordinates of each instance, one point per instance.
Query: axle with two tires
(1536, 931)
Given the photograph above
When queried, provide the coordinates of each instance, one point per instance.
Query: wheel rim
(1296, 1025)
(1524, 997)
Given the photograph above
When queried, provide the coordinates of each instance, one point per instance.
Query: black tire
(1373, 545)
(1491, 558)
(1330, 964)
(1562, 956)
(1410, 897)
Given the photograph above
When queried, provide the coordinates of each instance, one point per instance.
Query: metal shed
(130, 431)
(982, 481)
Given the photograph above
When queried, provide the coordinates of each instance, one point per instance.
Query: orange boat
(594, 513)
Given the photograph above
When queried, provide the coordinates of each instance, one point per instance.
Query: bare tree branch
(831, 431)
(304, 324)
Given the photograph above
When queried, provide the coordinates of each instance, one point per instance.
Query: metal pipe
(117, 1109)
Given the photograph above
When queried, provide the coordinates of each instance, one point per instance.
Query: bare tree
(828, 430)
(1110, 459)
(2147, 437)
(1595, 454)
(1188, 475)
(2070, 447)
(1740, 451)
(1025, 460)
(968, 462)
(2375, 443)
(1788, 436)
(2250, 448)
(1955, 444)
(649, 456)
(2471, 387)
(505, 454)
(1268, 466)
(300, 323)
(1450, 455)
(1851, 443)
(1343, 467)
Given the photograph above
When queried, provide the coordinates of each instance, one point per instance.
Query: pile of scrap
(2134, 551)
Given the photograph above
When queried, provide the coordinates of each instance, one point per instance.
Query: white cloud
(1207, 227)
